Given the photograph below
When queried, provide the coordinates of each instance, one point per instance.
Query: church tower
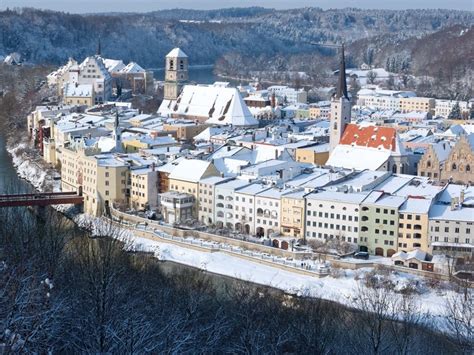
(340, 107)
(117, 133)
(176, 73)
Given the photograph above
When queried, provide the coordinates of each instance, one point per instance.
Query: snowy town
(263, 178)
(387, 179)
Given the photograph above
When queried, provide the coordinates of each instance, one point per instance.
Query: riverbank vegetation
(64, 292)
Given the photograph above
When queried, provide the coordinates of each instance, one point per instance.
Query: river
(199, 75)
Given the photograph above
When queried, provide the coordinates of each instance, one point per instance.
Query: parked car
(361, 255)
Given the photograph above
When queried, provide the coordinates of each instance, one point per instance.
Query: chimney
(280, 173)
(461, 197)
(276, 153)
(453, 204)
(167, 149)
(273, 100)
(153, 166)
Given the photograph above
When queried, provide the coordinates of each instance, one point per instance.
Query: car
(361, 255)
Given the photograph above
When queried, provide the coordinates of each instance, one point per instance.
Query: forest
(62, 291)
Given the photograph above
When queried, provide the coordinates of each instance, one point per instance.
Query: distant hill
(52, 37)
(447, 51)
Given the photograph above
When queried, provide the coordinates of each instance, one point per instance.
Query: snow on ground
(342, 289)
(31, 169)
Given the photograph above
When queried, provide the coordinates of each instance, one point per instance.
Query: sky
(87, 6)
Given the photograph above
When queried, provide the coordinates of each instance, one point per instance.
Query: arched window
(468, 167)
(220, 205)
(454, 167)
(220, 214)
(428, 164)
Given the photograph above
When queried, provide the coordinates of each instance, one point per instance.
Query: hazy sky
(81, 6)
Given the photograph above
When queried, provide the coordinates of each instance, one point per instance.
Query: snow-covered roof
(442, 150)
(220, 105)
(190, 170)
(348, 198)
(73, 90)
(132, 68)
(176, 53)
(414, 254)
(114, 65)
(416, 205)
(207, 134)
(346, 156)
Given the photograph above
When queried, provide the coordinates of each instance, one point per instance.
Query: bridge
(41, 199)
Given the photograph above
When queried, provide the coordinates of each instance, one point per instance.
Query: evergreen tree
(455, 112)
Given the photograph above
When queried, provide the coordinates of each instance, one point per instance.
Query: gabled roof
(220, 105)
(114, 65)
(132, 68)
(370, 136)
(176, 53)
(73, 90)
(191, 170)
(442, 150)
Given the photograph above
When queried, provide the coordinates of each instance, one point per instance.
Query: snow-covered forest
(46, 36)
(62, 292)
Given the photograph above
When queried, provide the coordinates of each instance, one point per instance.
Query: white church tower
(176, 73)
(340, 107)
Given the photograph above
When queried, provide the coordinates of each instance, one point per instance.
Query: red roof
(370, 136)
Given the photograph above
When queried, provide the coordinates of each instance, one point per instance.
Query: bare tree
(460, 319)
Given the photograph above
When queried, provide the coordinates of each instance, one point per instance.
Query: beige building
(186, 174)
(319, 110)
(316, 154)
(432, 163)
(459, 166)
(185, 131)
(144, 188)
(103, 179)
(292, 214)
(413, 224)
(177, 207)
(79, 95)
(423, 104)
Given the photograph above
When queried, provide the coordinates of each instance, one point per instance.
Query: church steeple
(117, 135)
(340, 107)
(342, 84)
(99, 48)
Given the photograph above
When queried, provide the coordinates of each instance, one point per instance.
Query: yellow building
(185, 131)
(144, 188)
(419, 104)
(185, 177)
(292, 215)
(319, 111)
(80, 95)
(316, 154)
(413, 225)
(102, 179)
(132, 145)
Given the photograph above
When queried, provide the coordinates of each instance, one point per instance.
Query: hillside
(52, 37)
